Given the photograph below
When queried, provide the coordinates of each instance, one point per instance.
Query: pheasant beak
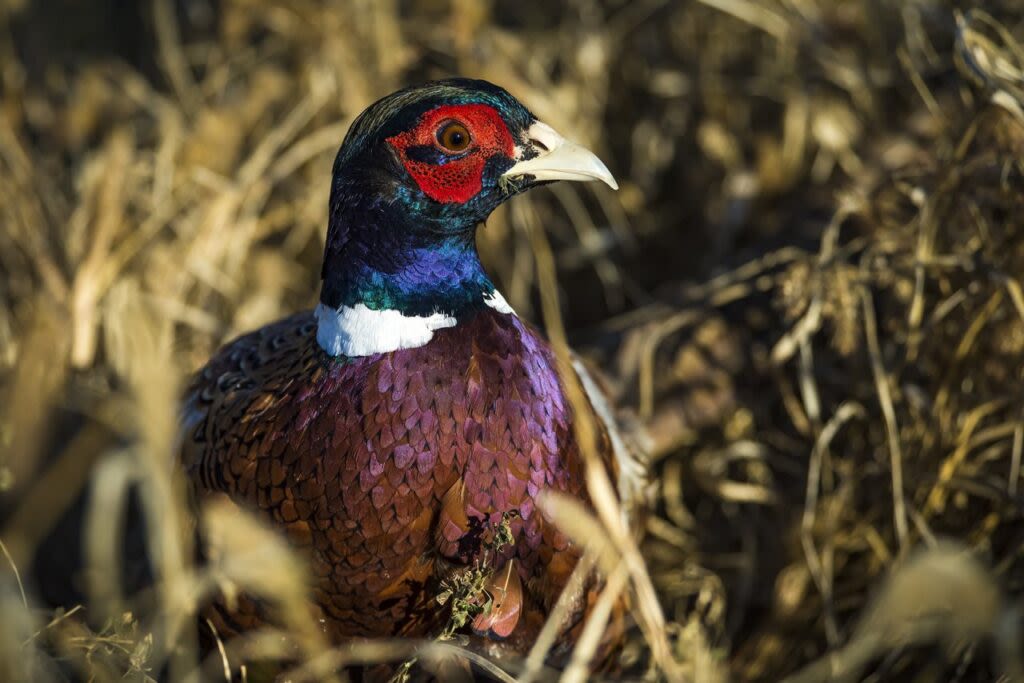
(559, 159)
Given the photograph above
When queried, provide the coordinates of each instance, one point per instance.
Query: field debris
(807, 299)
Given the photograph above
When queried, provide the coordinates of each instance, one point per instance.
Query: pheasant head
(417, 173)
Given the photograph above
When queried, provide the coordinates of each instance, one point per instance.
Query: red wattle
(458, 180)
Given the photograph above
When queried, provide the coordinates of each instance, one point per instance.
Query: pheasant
(388, 430)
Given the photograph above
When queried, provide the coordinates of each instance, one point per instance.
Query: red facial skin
(459, 179)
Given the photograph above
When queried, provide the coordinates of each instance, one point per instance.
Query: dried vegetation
(806, 295)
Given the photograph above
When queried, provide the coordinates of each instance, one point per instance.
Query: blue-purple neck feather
(387, 255)
(444, 276)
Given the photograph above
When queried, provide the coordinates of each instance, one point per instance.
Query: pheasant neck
(377, 303)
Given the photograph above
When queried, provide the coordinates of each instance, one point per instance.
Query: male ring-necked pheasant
(388, 429)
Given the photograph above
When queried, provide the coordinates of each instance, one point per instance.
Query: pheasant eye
(453, 137)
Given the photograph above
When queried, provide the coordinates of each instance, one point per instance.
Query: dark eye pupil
(453, 137)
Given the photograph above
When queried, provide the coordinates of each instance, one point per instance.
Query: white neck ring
(358, 330)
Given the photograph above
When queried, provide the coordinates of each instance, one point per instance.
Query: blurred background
(806, 298)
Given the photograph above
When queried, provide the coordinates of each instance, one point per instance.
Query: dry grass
(807, 296)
